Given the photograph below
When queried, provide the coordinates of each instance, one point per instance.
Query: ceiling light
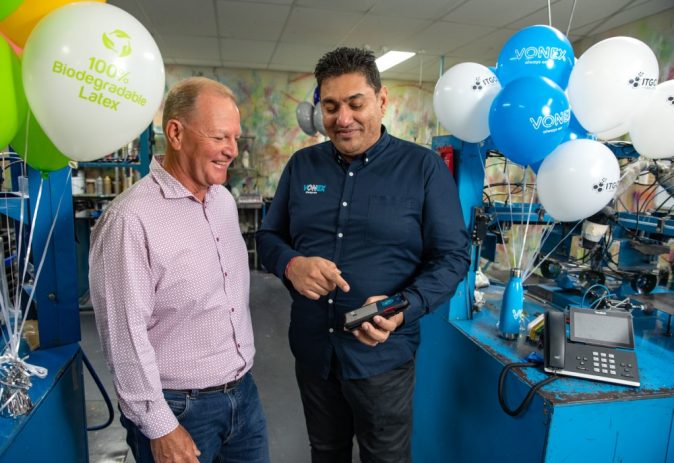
(392, 58)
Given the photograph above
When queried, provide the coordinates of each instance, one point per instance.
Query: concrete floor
(273, 371)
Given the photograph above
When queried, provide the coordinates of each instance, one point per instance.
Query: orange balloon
(18, 25)
(18, 50)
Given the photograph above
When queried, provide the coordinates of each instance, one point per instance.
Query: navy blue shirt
(391, 222)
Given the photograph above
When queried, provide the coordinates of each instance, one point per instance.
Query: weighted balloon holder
(512, 306)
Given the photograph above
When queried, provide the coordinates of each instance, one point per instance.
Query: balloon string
(23, 194)
(573, 8)
(549, 14)
(513, 232)
(498, 223)
(526, 228)
(528, 273)
(46, 248)
(30, 242)
(546, 233)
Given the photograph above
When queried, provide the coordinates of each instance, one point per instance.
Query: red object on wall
(447, 155)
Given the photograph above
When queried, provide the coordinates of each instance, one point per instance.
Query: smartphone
(386, 308)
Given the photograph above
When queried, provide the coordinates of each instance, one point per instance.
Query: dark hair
(346, 60)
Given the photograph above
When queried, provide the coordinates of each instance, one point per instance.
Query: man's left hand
(372, 334)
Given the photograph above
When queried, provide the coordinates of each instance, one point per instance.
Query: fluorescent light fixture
(392, 58)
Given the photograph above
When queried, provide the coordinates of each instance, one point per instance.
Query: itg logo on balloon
(539, 53)
(641, 81)
(551, 122)
(484, 82)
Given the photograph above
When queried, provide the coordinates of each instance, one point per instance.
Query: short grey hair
(182, 97)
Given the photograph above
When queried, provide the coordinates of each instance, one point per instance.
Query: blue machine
(457, 415)
(55, 430)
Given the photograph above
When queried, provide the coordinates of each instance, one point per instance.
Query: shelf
(109, 164)
(93, 196)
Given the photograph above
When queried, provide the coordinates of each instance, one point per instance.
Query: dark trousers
(377, 410)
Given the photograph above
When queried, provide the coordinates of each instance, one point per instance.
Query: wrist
(288, 265)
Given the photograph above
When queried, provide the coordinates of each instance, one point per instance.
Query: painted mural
(268, 99)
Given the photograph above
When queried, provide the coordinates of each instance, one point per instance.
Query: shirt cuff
(158, 421)
(415, 310)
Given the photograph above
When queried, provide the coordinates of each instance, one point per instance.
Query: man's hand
(314, 277)
(372, 334)
(175, 447)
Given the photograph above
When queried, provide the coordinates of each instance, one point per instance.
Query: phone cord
(527, 400)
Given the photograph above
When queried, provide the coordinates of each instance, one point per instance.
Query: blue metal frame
(58, 417)
(457, 416)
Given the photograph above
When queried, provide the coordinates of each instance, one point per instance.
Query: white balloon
(462, 99)
(614, 133)
(652, 127)
(577, 179)
(305, 117)
(609, 80)
(94, 78)
(318, 119)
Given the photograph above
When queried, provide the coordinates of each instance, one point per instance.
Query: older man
(170, 282)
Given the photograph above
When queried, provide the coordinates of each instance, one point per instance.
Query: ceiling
(291, 35)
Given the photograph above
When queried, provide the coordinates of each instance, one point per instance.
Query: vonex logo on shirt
(312, 189)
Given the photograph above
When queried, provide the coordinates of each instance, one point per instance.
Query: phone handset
(555, 339)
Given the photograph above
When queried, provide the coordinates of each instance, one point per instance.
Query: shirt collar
(170, 187)
(372, 152)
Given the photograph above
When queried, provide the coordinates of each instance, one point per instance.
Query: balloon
(317, 95)
(94, 78)
(609, 80)
(576, 131)
(614, 133)
(529, 118)
(18, 50)
(305, 116)
(652, 128)
(462, 98)
(536, 51)
(12, 99)
(18, 25)
(7, 7)
(40, 154)
(577, 180)
(318, 119)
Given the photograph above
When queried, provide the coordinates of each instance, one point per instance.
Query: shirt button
(238, 345)
(344, 203)
(330, 330)
(232, 309)
(217, 239)
(329, 301)
(366, 159)
(225, 273)
(350, 174)
(340, 234)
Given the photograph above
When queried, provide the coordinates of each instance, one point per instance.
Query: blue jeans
(226, 427)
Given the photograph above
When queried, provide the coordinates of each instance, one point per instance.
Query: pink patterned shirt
(169, 283)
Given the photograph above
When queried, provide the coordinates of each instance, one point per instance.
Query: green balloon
(41, 154)
(12, 98)
(7, 7)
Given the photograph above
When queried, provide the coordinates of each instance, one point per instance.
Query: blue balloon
(528, 119)
(317, 95)
(576, 131)
(536, 51)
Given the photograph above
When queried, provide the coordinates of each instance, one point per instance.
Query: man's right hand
(175, 447)
(314, 277)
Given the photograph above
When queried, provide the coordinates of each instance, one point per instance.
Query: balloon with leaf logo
(101, 64)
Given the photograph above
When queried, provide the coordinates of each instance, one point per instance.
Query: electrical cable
(104, 393)
(530, 395)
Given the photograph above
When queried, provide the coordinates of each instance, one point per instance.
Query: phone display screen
(610, 329)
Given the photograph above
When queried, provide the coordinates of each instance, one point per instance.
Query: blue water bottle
(512, 306)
